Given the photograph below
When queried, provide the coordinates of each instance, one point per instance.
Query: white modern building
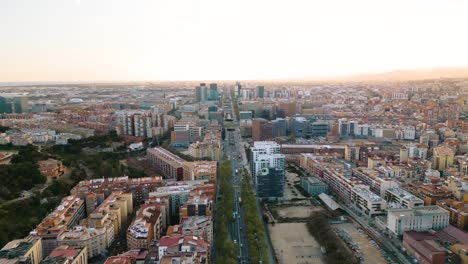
(399, 198)
(368, 202)
(268, 166)
(421, 218)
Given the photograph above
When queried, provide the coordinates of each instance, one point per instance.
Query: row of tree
(225, 250)
(255, 233)
(336, 251)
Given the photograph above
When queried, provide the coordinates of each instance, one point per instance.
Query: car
(235, 241)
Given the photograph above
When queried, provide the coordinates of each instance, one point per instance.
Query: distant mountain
(407, 75)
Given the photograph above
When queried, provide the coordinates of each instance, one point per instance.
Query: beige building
(28, 249)
(442, 158)
(210, 147)
(200, 170)
(97, 232)
(96, 240)
(116, 207)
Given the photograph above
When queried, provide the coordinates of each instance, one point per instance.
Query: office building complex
(13, 103)
(313, 186)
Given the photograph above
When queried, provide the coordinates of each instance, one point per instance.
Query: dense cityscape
(235, 172)
(233, 132)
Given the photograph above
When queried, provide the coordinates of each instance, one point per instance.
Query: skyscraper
(268, 166)
(198, 94)
(13, 103)
(213, 91)
(260, 91)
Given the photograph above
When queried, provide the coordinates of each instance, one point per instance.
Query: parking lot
(371, 252)
(293, 244)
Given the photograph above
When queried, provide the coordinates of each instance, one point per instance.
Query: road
(233, 150)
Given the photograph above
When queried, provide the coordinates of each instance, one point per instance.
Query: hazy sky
(90, 40)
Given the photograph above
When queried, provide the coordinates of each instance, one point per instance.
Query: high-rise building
(245, 115)
(260, 91)
(279, 127)
(299, 126)
(198, 93)
(213, 92)
(268, 167)
(261, 129)
(13, 103)
(135, 123)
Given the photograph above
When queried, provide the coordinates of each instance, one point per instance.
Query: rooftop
(17, 248)
(404, 194)
(367, 194)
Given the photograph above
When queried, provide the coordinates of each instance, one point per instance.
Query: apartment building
(168, 164)
(199, 226)
(179, 243)
(145, 228)
(67, 255)
(116, 207)
(458, 211)
(139, 187)
(210, 147)
(135, 123)
(200, 170)
(442, 157)
(196, 206)
(64, 217)
(26, 250)
(96, 240)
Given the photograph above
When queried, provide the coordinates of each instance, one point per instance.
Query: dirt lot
(140, 163)
(293, 244)
(372, 255)
(296, 211)
(290, 191)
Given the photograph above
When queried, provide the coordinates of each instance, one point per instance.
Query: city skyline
(75, 41)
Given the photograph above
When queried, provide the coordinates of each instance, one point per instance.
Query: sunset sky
(113, 40)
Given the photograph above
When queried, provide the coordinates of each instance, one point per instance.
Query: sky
(118, 40)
